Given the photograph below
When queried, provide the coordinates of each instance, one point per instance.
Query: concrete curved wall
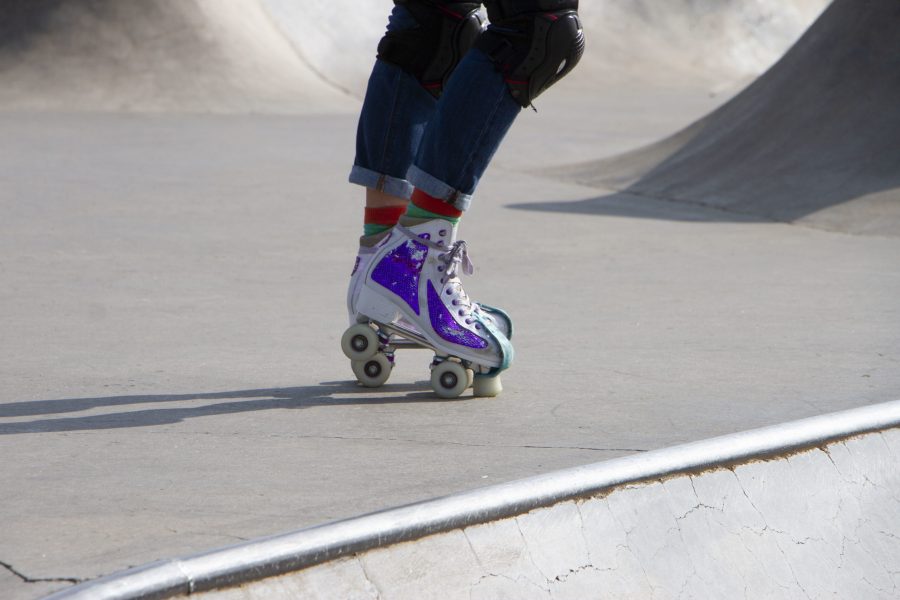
(285, 56)
(822, 523)
(803, 509)
(711, 42)
(155, 56)
(799, 145)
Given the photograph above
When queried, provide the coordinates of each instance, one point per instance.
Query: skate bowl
(154, 56)
(283, 56)
(809, 508)
(816, 140)
(712, 43)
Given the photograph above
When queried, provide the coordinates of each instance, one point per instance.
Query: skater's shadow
(168, 409)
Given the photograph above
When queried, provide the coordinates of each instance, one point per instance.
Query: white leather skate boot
(411, 290)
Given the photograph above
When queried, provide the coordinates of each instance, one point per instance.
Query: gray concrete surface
(172, 305)
(819, 524)
(171, 299)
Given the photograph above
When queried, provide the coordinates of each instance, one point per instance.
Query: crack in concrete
(627, 548)
(563, 577)
(517, 581)
(527, 553)
(26, 579)
(360, 559)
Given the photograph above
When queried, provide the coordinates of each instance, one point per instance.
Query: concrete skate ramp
(153, 55)
(715, 44)
(804, 509)
(815, 140)
(290, 56)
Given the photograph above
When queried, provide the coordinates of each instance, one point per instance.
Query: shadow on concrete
(636, 206)
(322, 395)
(815, 138)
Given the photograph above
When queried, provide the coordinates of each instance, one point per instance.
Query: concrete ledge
(494, 538)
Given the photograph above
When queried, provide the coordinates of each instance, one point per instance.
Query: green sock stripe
(420, 213)
(374, 228)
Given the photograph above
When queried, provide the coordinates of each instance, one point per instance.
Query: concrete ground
(172, 301)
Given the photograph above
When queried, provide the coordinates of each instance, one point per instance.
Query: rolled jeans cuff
(438, 189)
(393, 186)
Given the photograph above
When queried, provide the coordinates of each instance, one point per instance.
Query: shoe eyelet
(442, 232)
(449, 292)
(462, 313)
(440, 269)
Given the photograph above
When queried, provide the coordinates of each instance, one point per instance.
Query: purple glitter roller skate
(409, 295)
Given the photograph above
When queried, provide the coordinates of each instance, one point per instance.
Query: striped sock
(378, 220)
(423, 206)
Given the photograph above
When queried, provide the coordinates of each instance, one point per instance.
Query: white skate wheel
(449, 379)
(359, 343)
(487, 387)
(470, 377)
(373, 372)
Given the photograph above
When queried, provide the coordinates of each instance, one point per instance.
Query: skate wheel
(449, 379)
(470, 377)
(373, 372)
(487, 387)
(359, 343)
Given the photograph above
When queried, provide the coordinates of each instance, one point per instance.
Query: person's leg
(412, 283)
(424, 42)
(391, 124)
(472, 117)
(420, 50)
(530, 45)
(414, 279)
(521, 55)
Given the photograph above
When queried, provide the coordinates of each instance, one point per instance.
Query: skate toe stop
(487, 387)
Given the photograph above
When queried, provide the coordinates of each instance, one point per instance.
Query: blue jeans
(406, 139)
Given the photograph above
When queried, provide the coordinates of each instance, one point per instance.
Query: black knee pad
(431, 50)
(534, 43)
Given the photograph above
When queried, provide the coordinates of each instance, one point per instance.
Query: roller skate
(405, 292)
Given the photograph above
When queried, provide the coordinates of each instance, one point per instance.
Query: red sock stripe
(385, 215)
(435, 205)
